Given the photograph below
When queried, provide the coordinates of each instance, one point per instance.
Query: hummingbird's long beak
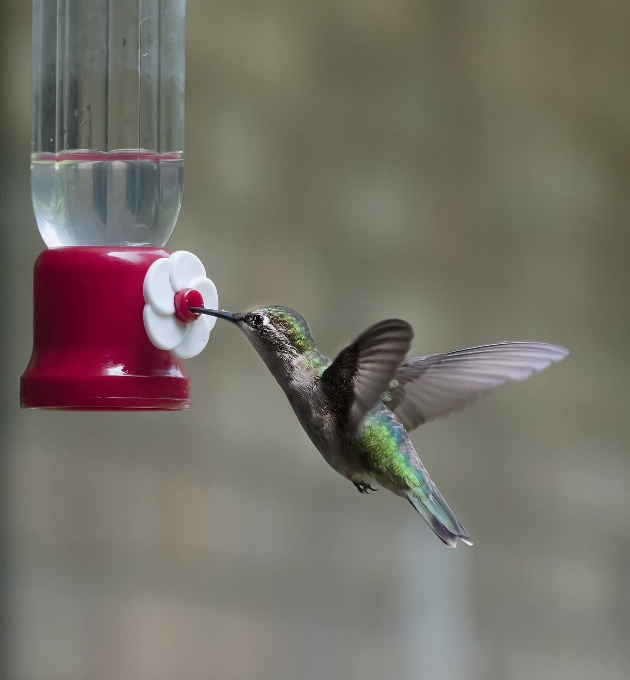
(219, 313)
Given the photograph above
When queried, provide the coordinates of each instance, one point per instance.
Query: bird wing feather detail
(355, 380)
(427, 387)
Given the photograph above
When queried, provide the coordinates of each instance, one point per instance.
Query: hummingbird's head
(274, 332)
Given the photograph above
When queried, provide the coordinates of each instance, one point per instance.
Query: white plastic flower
(171, 285)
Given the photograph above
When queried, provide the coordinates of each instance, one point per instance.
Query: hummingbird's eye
(257, 320)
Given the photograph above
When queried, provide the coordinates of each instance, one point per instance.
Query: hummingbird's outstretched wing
(427, 387)
(355, 380)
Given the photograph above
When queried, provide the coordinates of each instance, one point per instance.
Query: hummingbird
(359, 408)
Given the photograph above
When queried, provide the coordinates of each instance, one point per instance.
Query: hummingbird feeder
(111, 305)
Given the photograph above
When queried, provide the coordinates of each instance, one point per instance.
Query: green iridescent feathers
(382, 442)
(292, 325)
(388, 453)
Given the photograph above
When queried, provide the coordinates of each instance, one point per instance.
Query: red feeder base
(90, 349)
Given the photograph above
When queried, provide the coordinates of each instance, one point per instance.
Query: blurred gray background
(462, 165)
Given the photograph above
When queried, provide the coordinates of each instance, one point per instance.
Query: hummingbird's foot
(364, 487)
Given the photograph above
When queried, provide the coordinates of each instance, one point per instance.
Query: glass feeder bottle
(107, 120)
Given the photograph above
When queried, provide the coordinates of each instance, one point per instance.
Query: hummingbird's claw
(364, 487)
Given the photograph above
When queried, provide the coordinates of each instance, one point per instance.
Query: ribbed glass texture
(107, 120)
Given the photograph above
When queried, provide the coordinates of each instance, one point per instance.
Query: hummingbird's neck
(314, 363)
(297, 370)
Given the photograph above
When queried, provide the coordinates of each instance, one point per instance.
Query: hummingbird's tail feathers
(436, 513)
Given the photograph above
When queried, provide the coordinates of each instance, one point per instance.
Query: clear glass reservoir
(107, 121)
